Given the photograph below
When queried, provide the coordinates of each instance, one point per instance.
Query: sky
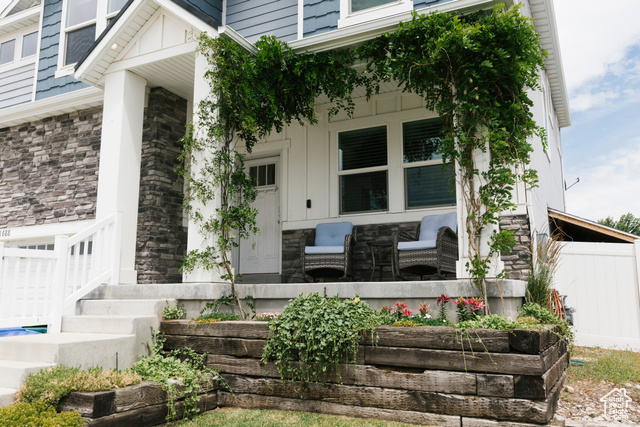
(600, 48)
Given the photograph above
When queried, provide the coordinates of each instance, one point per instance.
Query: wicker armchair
(434, 251)
(328, 251)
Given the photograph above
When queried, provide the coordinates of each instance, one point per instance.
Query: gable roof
(14, 16)
(15, 6)
(132, 17)
(135, 14)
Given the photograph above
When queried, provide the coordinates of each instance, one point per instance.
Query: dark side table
(381, 256)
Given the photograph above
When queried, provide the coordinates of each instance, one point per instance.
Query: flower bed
(430, 375)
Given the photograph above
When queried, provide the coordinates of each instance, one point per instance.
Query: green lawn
(617, 366)
(267, 418)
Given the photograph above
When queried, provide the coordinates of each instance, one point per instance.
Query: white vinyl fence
(38, 286)
(601, 281)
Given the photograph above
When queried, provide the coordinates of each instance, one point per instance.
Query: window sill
(372, 14)
(65, 71)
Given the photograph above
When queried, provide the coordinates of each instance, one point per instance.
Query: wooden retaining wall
(422, 375)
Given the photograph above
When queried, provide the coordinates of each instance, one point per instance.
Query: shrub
(52, 384)
(320, 333)
(37, 414)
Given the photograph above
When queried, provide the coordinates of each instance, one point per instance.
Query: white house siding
(16, 85)
(601, 280)
(311, 163)
(548, 163)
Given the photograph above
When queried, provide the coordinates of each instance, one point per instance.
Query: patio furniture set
(433, 251)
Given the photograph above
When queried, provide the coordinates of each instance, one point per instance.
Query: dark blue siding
(255, 18)
(47, 85)
(320, 16)
(209, 11)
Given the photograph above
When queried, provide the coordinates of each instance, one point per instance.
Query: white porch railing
(38, 286)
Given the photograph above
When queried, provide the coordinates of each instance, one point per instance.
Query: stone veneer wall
(49, 169)
(379, 233)
(517, 263)
(162, 238)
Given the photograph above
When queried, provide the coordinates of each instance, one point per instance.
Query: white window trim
(348, 18)
(100, 22)
(358, 171)
(395, 166)
(18, 60)
(410, 165)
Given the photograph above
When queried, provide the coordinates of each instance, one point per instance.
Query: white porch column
(496, 266)
(195, 240)
(120, 152)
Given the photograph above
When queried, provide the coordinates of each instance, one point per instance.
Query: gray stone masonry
(379, 233)
(49, 169)
(162, 238)
(517, 263)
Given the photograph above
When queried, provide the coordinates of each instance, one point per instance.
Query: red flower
(443, 299)
(407, 312)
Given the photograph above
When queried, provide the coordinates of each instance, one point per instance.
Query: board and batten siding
(255, 18)
(601, 284)
(16, 86)
(47, 84)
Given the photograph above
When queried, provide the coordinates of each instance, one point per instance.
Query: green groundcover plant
(320, 333)
(182, 373)
(52, 384)
(37, 414)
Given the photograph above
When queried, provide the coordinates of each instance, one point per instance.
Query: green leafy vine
(473, 70)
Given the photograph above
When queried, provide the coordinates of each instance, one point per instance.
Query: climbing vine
(473, 70)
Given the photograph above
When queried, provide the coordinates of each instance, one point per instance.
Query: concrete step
(110, 324)
(7, 396)
(122, 307)
(13, 373)
(83, 350)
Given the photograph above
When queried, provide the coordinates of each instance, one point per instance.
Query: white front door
(260, 253)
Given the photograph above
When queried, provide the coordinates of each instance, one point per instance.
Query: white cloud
(585, 101)
(595, 36)
(610, 188)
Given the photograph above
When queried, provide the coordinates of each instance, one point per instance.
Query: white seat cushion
(309, 250)
(416, 245)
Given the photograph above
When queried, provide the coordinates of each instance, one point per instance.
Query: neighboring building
(95, 95)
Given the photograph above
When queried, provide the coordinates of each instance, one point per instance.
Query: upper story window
(29, 44)
(360, 5)
(18, 47)
(7, 51)
(83, 21)
(359, 11)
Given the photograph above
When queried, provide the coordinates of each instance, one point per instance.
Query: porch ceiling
(174, 74)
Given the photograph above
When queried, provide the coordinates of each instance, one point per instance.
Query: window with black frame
(363, 170)
(426, 183)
